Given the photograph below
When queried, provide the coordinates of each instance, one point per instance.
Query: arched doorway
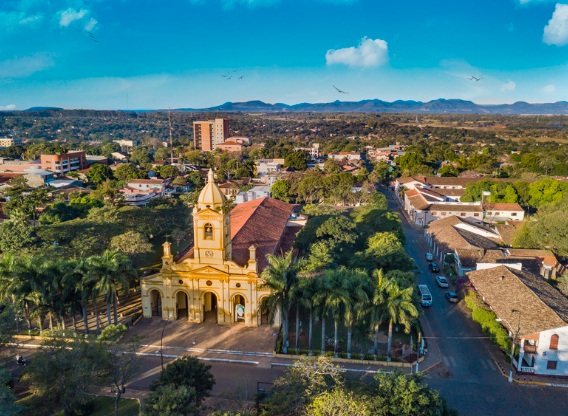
(182, 305)
(238, 308)
(210, 307)
(264, 315)
(156, 302)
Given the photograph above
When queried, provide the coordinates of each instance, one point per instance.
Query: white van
(429, 256)
(425, 295)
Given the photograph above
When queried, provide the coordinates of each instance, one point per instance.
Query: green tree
(131, 243)
(281, 190)
(279, 277)
(170, 400)
(169, 171)
(16, 235)
(187, 371)
(65, 374)
(128, 171)
(399, 309)
(8, 405)
(297, 160)
(99, 173)
(331, 166)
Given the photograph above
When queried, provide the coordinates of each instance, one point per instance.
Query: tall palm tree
(399, 309)
(358, 285)
(110, 270)
(280, 276)
(337, 295)
(26, 284)
(376, 309)
(85, 286)
(309, 288)
(321, 303)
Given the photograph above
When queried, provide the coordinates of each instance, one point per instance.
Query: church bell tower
(211, 225)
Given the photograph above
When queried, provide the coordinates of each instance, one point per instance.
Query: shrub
(355, 356)
(135, 317)
(113, 332)
(369, 357)
(342, 354)
(316, 352)
(303, 352)
(329, 354)
(63, 333)
(488, 322)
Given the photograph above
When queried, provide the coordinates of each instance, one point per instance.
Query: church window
(208, 232)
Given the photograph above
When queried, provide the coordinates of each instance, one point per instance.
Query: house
(36, 178)
(466, 239)
(230, 146)
(256, 192)
(542, 263)
(534, 313)
(346, 156)
(240, 139)
(266, 166)
(497, 212)
(119, 156)
(424, 205)
(139, 192)
(6, 177)
(230, 189)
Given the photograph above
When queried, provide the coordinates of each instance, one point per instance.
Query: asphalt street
(468, 377)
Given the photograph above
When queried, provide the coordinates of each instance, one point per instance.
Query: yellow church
(216, 279)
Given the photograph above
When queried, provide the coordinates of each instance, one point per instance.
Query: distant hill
(44, 108)
(371, 106)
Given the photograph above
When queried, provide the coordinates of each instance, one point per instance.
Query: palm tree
(85, 286)
(376, 308)
(321, 303)
(26, 283)
(280, 276)
(358, 287)
(399, 309)
(109, 270)
(309, 288)
(337, 292)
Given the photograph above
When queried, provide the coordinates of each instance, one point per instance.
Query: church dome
(211, 194)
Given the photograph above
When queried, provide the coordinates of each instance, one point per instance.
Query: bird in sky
(228, 78)
(90, 34)
(224, 75)
(339, 91)
(472, 78)
(241, 77)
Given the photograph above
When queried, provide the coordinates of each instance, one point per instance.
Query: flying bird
(241, 77)
(475, 78)
(228, 78)
(339, 91)
(91, 35)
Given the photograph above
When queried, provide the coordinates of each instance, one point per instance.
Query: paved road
(468, 377)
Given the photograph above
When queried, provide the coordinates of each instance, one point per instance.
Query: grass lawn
(363, 338)
(104, 406)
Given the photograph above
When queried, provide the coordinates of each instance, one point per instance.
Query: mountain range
(399, 106)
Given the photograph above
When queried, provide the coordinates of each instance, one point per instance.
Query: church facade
(216, 279)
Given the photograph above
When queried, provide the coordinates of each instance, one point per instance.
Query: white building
(534, 313)
(10, 141)
(256, 192)
(267, 166)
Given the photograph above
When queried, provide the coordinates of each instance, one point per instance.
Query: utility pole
(171, 142)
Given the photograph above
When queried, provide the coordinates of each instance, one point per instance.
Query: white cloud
(548, 88)
(8, 107)
(526, 2)
(368, 53)
(90, 24)
(556, 31)
(25, 66)
(66, 17)
(509, 86)
(12, 20)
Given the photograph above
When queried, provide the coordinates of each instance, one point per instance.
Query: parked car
(434, 268)
(429, 256)
(452, 297)
(442, 281)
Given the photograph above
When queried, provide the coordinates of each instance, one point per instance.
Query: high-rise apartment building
(208, 134)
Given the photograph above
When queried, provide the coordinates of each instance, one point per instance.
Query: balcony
(527, 369)
(531, 349)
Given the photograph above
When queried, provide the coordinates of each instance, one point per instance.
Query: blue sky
(159, 54)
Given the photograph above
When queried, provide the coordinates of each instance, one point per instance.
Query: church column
(229, 319)
(249, 309)
(192, 318)
(223, 307)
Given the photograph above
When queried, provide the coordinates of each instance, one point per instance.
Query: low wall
(349, 361)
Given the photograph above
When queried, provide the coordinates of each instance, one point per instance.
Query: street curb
(218, 360)
(431, 367)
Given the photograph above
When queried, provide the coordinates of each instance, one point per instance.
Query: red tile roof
(262, 223)
(148, 181)
(6, 176)
(502, 206)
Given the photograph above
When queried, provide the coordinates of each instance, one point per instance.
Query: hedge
(488, 321)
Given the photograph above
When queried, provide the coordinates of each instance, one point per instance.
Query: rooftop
(506, 290)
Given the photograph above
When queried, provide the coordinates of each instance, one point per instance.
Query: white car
(429, 256)
(442, 281)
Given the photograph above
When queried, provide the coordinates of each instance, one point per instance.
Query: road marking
(491, 365)
(214, 351)
(446, 362)
(452, 359)
(483, 364)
